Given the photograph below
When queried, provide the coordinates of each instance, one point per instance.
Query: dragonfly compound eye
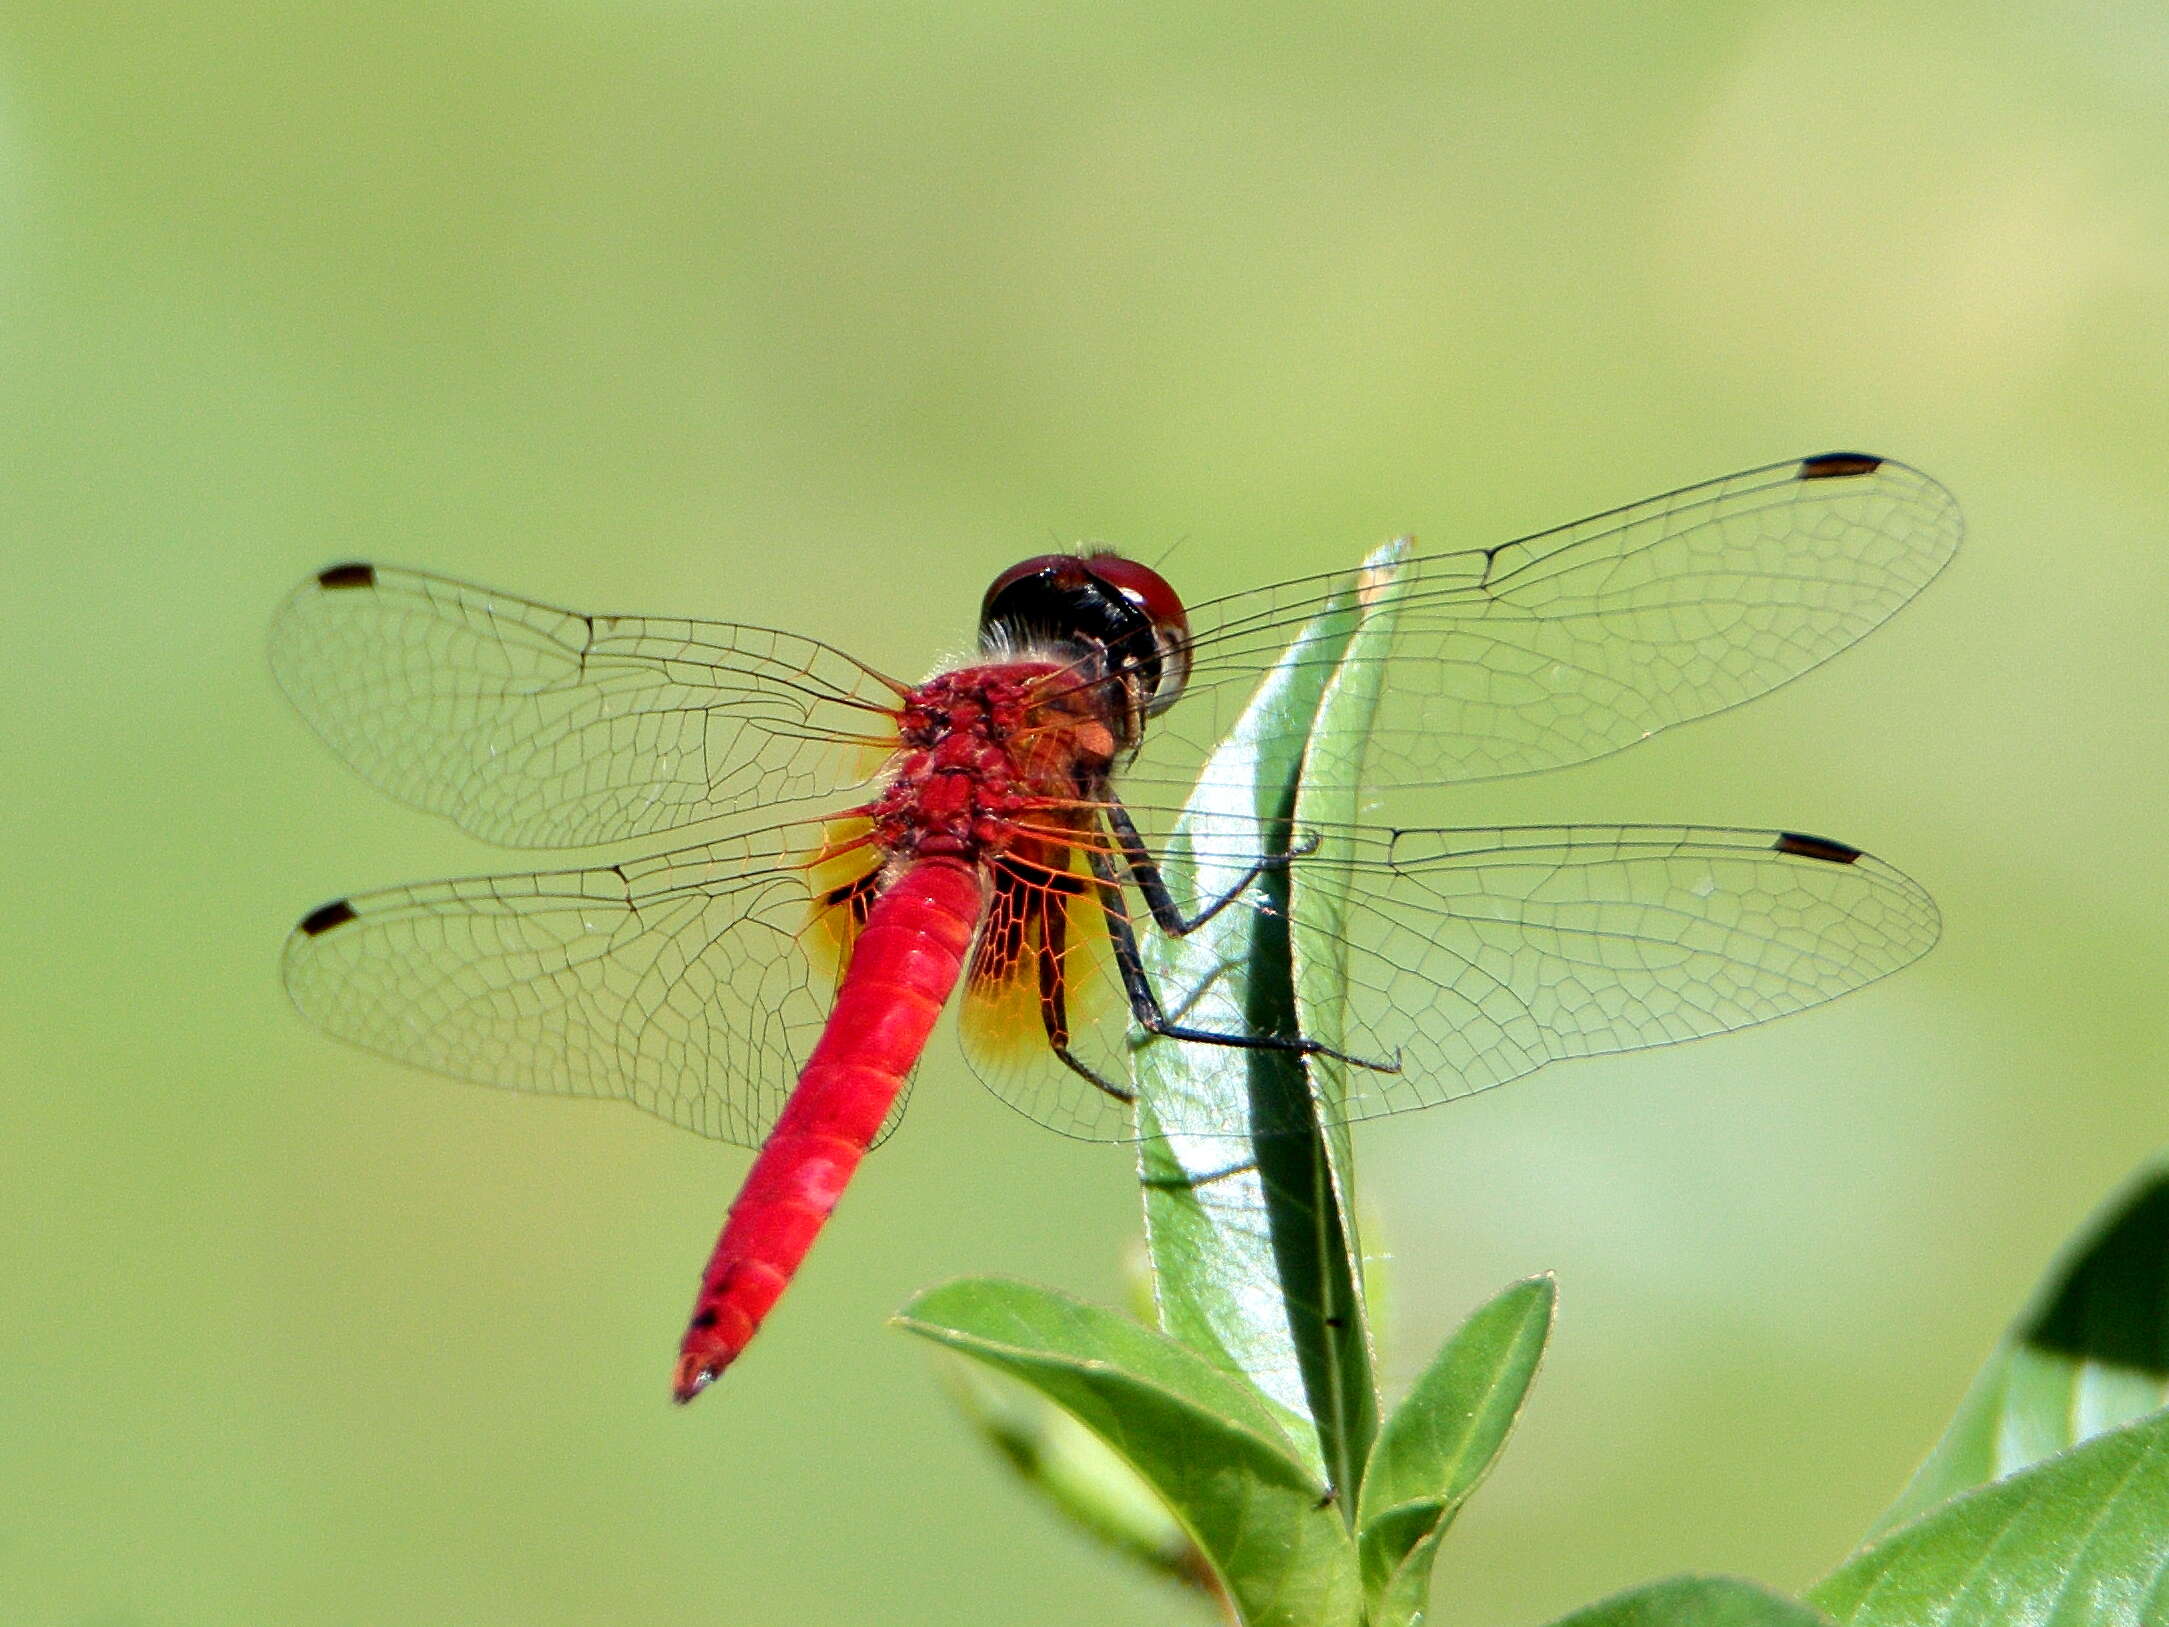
(1149, 592)
(1117, 609)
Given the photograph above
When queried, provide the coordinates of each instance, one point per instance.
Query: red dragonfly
(870, 842)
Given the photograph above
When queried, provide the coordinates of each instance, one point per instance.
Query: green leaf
(1076, 1472)
(1208, 1444)
(1340, 1356)
(1254, 1252)
(1696, 1601)
(1441, 1442)
(2081, 1540)
(2090, 1353)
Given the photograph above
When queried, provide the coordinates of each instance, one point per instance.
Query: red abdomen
(903, 968)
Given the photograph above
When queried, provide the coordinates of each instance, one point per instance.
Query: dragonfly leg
(1193, 1183)
(1091, 1075)
(1166, 914)
(1053, 991)
(1150, 1015)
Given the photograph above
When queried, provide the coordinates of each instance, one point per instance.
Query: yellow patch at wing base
(843, 877)
(1043, 967)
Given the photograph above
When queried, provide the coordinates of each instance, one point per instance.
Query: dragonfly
(821, 853)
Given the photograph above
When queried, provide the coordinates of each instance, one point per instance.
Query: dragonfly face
(1114, 623)
(680, 979)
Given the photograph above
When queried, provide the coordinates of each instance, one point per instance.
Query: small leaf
(1207, 1443)
(1440, 1443)
(1696, 1601)
(1254, 1253)
(1076, 1472)
(2081, 1540)
(2090, 1353)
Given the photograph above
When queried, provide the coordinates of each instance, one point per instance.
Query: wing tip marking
(352, 574)
(326, 916)
(1815, 847)
(1839, 465)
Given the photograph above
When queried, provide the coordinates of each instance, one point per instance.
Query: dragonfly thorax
(983, 747)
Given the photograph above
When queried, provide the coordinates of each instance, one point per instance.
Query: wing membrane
(1538, 944)
(679, 983)
(532, 726)
(1043, 971)
(1575, 642)
(1473, 957)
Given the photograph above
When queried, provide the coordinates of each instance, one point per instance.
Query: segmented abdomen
(904, 966)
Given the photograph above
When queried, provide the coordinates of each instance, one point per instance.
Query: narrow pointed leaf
(1441, 1442)
(1207, 1444)
(2081, 1540)
(1697, 1601)
(2089, 1354)
(1254, 1254)
(1340, 1356)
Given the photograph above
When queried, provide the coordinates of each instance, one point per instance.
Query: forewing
(1576, 642)
(533, 726)
(689, 984)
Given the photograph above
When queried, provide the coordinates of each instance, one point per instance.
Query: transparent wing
(1473, 957)
(1043, 981)
(689, 984)
(1532, 945)
(1575, 642)
(532, 726)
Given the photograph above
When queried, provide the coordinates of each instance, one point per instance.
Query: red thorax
(982, 746)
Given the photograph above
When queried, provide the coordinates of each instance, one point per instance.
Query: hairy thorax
(989, 755)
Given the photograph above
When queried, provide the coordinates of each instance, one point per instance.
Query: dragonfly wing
(1043, 972)
(1475, 956)
(1573, 643)
(532, 726)
(1472, 957)
(681, 983)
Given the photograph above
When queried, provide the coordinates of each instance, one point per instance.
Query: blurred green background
(817, 315)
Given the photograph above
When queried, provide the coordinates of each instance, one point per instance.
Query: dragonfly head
(1118, 619)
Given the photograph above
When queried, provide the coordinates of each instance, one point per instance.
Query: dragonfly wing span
(681, 983)
(1576, 642)
(532, 726)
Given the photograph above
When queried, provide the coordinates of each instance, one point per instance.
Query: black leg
(1151, 1016)
(1193, 1183)
(1053, 991)
(1166, 914)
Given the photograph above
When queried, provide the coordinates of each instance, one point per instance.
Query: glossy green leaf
(1440, 1443)
(1254, 1252)
(1341, 1358)
(2089, 1354)
(2081, 1540)
(1696, 1601)
(1208, 1445)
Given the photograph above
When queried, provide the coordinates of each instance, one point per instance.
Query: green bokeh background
(817, 315)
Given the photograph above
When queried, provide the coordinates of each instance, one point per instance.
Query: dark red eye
(1147, 589)
(1144, 587)
(1096, 600)
(1061, 571)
